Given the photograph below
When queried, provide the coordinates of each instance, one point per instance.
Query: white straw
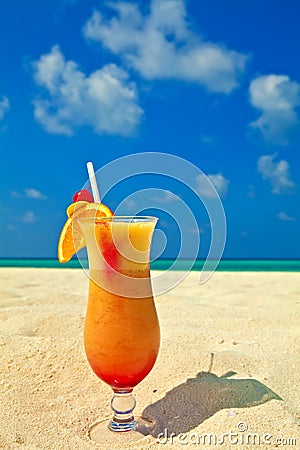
(93, 181)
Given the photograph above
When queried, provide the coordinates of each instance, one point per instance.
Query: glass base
(102, 434)
(123, 428)
(114, 425)
(122, 404)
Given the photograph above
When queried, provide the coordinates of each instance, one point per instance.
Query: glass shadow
(188, 405)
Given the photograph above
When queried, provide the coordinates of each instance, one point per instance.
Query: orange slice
(74, 207)
(71, 239)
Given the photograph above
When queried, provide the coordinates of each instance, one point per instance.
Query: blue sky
(216, 83)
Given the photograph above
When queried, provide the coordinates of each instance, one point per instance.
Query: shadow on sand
(188, 405)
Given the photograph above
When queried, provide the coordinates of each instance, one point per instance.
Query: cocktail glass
(121, 332)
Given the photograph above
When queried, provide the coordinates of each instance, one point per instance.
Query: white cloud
(285, 217)
(29, 217)
(251, 192)
(278, 174)
(4, 107)
(207, 139)
(245, 233)
(204, 187)
(277, 97)
(195, 230)
(11, 227)
(104, 100)
(34, 193)
(162, 45)
(29, 193)
(165, 197)
(15, 194)
(129, 204)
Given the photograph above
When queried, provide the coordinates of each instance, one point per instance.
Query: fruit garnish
(71, 239)
(75, 206)
(104, 237)
(84, 196)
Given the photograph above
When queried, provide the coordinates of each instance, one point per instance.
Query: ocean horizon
(226, 264)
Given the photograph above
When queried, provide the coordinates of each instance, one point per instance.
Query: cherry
(83, 196)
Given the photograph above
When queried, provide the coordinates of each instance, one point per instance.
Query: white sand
(240, 331)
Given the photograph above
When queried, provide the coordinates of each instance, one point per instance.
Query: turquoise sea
(231, 265)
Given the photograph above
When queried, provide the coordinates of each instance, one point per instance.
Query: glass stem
(123, 404)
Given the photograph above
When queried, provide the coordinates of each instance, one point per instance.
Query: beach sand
(229, 362)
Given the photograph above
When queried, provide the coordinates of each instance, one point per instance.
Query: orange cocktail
(121, 337)
(121, 332)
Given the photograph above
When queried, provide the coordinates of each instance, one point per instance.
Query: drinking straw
(93, 181)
